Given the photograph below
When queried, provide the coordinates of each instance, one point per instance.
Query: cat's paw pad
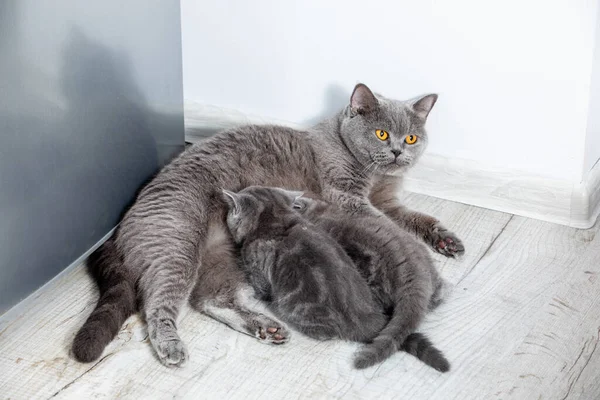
(447, 243)
(172, 353)
(269, 331)
(274, 335)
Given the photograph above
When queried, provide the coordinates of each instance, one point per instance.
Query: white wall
(592, 143)
(513, 76)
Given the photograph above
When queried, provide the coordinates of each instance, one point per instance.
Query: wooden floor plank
(522, 322)
(526, 318)
(477, 227)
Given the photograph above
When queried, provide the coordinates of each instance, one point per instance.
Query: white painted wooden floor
(522, 323)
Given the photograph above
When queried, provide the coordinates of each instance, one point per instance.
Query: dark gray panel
(91, 105)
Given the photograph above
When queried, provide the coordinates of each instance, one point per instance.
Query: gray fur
(159, 251)
(399, 272)
(329, 276)
(304, 274)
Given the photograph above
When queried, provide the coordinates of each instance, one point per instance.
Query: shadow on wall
(115, 133)
(336, 98)
(71, 160)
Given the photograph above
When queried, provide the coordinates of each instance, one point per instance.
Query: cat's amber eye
(411, 139)
(381, 134)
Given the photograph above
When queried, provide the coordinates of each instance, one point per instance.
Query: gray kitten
(399, 271)
(156, 260)
(305, 273)
(308, 279)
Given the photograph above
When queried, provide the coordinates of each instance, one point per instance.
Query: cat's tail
(117, 302)
(399, 334)
(419, 346)
(415, 344)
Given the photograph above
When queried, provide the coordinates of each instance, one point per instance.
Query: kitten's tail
(416, 344)
(399, 334)
(419, 346)
(117, 302)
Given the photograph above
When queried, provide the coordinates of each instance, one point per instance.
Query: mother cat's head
(385, 135)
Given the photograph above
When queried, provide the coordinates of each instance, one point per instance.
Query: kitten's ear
(232, 200)
(363, 101)
(423, 105)
(291, 194)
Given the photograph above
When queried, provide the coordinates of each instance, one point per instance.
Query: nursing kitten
(310, 282)
(399, 271)
(156, 259)
(308, 279)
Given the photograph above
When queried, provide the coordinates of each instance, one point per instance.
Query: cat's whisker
(375, 167)
(362, 171)
(366, 169)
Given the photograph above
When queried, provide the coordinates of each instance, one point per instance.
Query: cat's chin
(391, 169)
(403, 164)
(396, 169)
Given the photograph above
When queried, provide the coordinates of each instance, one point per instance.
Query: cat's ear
(232, 200)
(363, 101)
(423, 105)
(296, 194)
(291, 194)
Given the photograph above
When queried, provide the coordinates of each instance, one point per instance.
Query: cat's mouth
(384, 168)
(401, 162)
(394, 166)
(384, 164)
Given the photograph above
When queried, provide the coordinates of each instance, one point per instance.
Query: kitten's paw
(440, 294)
(366, 357)
(274, 335)
(269, 331)
(172, 353)
(445, 242)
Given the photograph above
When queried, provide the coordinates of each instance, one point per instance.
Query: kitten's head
(309, 204)
(258, 207)
(385, 135)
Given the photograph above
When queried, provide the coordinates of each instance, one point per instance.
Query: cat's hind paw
(269, 331)
(172, 353)
(274, 335)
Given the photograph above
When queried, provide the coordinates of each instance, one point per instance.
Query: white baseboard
(469, 182)
(511, 191)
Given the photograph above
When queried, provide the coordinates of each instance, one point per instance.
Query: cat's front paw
(269, 331)
(445, 242)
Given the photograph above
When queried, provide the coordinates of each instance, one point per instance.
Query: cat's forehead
(394, 114)
(263, 194)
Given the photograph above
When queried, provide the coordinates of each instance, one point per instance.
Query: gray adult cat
(305, 273)
(154, 261)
